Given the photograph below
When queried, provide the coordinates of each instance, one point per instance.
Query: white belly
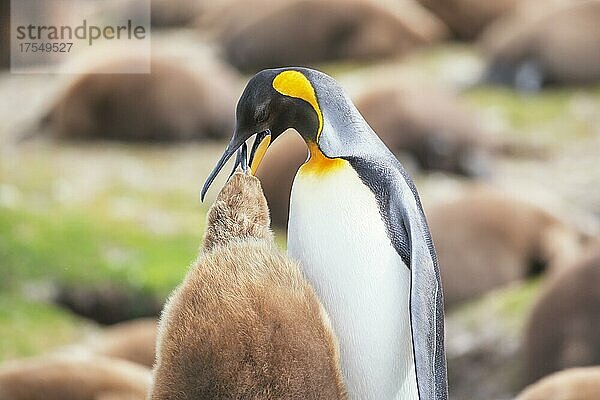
(337, 234)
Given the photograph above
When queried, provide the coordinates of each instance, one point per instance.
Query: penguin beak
(238, 145)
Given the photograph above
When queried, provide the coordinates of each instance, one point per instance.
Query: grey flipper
(408, 231)
(426, 304)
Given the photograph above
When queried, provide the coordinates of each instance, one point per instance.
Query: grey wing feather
(426, 297)
(427, 312)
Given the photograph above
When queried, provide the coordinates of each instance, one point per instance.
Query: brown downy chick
(244, 324)
(240, 212)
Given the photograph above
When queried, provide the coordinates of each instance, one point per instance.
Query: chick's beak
(238, 145)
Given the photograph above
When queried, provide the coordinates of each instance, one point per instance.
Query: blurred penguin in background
(562, 331)
(508, 240)
(545, 43)
(133, 340)
(570, 384)
(317, 31)
(176, 13)
(171, 103)
(467, 18)
(73, 378)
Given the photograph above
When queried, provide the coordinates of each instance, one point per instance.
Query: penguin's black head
(267, 104)
(273, 101)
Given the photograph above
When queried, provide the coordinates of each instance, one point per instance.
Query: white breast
(337, 234)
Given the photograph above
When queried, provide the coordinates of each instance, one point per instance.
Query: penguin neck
(319, 164)
(343, 132)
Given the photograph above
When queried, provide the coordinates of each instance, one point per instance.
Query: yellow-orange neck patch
(295, 84)
(319, 163)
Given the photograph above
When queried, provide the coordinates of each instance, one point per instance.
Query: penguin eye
(261, 114)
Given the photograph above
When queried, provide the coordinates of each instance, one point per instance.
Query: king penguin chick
(73, 378)
(563, 328)
(244, 324)
(570, 384)
(133, 341)
(358, 230)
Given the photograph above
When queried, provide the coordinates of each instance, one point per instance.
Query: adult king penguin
(358, 230)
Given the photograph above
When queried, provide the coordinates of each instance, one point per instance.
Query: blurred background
(493, 107)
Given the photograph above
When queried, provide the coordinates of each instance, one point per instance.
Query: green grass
(523, 110)
(515, 302)
(29, 328)
(71, 246)
(78, 246)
